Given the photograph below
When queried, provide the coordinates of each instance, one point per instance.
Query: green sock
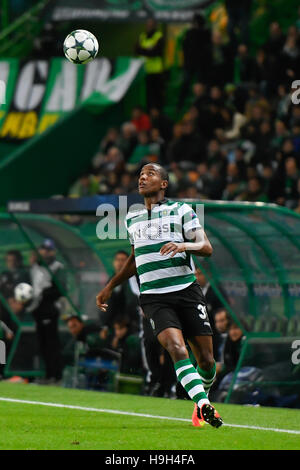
(191, 381)
(207, 377)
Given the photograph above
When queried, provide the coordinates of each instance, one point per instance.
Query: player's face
(150, 182)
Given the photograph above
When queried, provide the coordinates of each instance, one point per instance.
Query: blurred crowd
(235, 135)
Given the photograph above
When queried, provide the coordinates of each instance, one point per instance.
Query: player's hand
(173, 248)
(102, 297)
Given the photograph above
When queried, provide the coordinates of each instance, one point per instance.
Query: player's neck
(150, 201)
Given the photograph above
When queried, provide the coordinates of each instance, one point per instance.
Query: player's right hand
(102, 297)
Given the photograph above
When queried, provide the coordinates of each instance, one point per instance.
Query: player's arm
(128, 271)
(199, 246)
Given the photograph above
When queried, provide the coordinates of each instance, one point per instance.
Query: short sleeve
(131, 241)
(189, 220)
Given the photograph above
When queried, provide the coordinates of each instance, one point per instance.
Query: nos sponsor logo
(2, 353)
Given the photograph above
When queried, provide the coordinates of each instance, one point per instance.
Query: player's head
(120, 259)
(153, 179)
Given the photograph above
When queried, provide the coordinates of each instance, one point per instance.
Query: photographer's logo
(296, 353)
(2, 92)
(295, 97)
(2, 353)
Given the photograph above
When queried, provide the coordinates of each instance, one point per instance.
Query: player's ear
(164, 184)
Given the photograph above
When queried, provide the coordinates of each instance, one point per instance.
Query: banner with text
(40, 92)
(126, 10)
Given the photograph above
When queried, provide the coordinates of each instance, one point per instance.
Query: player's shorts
(184, 310)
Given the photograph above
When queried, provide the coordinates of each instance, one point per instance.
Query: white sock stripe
(202, 401)
(188, 378)
(207, 384)
(195, 390)
(207, 381)
(181, 369)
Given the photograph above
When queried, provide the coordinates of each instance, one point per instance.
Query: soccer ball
(23, 292)
(80, 46)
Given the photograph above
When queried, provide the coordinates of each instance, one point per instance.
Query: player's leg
(202, 348)
(172, 340)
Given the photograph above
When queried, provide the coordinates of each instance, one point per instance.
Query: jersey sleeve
(190, 221)
(131, 241)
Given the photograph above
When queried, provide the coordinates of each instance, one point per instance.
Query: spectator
(273, 48)
(190, 145)
(88, 333)
(128, 139)
(213, 303)
(290, 59)
(87, 185)
(156, 145)
(238, 12)
(220, 66)
(49, 282)
(244, 65)
(162, 122)
(222, 321)
(150, 46)
(124, 299)
(196, 51)
(141, 151)
(254, 191)
(140, 119)
(109, 140)
(232, 348)
(128, 345)
(15, 273)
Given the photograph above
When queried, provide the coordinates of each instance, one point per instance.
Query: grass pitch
(38, 426)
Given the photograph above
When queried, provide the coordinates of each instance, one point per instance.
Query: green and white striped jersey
(168, 221)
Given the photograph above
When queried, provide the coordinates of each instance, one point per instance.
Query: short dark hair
(121, 252)
(222, 309)
(17, 254)
(74, 317)
(122, 321)
(162, 171)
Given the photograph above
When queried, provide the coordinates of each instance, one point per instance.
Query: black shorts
(184, 309)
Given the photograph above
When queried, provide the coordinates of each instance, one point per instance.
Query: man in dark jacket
(150, 46)
(44, 307)
(196, 49)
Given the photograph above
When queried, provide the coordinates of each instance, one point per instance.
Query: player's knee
(207, 362)
(177, 351)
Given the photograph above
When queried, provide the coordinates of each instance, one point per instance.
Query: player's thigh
(161, 316)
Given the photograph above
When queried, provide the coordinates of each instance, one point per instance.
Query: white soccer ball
(23, 292)
(80, 46)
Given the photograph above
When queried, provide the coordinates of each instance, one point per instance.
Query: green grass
(26, 426)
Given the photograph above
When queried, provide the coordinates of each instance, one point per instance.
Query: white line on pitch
(140, 415)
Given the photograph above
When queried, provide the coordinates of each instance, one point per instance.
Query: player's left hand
(173, 248)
